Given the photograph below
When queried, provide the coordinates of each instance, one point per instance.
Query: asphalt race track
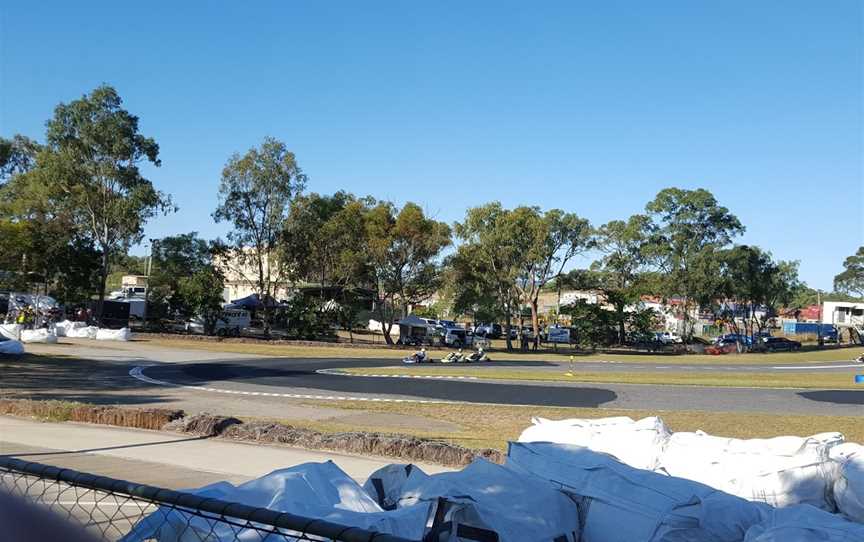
(271, 378)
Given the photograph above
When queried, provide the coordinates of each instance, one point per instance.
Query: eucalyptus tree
(689, 229)
(255, 195)
(89, 167)
(851, 279)
(403, 249)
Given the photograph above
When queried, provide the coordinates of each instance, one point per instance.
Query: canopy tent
(252, 302)
(414, 327)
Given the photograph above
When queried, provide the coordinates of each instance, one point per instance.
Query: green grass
(777, 379)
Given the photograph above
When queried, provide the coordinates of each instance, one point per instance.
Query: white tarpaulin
(314, 490)
(38, 336)
(488, 497)
(780, 471)
(11, 331)
(804, 523)
(624, 504)
(849, 483)
(62, 329)
(636, 443)
(113, 334)
(11, 347)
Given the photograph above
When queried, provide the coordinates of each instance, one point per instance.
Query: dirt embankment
(399, 447)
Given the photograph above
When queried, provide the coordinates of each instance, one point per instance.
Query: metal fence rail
(110, 508)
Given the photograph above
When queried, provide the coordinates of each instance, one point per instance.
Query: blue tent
(251, 302)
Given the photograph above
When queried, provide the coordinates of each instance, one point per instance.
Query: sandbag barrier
(820, 470)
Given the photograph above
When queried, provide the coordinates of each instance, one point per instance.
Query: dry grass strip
(65, 411)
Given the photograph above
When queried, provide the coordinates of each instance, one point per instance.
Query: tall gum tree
(689, 228)
(92, 155)
(255, 194)
(552, 239)
(403, 251)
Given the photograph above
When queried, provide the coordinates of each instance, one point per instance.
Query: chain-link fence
(127, 511)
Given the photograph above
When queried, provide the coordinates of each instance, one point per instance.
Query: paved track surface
(279, 376)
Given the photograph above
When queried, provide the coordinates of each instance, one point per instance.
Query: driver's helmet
(480, 349)
(460, 350)
(422, 350)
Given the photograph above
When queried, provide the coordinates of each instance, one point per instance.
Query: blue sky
(588, 106)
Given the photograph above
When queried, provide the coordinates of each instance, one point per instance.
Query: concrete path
(163, 459)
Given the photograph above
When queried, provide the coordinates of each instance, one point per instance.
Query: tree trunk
(103, 281)
(385, 326)
(535, 319)
(507, 327)
(621, 331)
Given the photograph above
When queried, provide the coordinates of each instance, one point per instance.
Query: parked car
(774, 344)
(491, 331)
(734, 338)
(458, 337)
(667, 337)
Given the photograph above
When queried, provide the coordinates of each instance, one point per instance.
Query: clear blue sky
(588, 106)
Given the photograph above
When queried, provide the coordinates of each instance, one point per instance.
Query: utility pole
(819, 337)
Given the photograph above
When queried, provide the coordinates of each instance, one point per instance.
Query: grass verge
(794, 379)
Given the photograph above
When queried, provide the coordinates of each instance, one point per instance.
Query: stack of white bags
(573, 491)
(66, 328)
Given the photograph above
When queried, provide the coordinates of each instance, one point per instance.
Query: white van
(233, 321)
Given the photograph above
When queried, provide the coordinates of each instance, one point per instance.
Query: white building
(843, 314)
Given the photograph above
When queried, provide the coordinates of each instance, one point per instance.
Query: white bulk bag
(849, 484)
(113, 334)
(624, 504)
(88, 332)
(804, 523)
(636, 443)
(61, 329)
(313, 490)
(11, 331)
(779, 471)
(385, 485)
(484, 496)
(38, 336)
(11, 347)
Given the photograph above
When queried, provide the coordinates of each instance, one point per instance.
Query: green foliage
(688, 229)
(804, 296)
(851, 280)
(591, 324)
(323, 240)
(88, 173)
(753, 280)
(17, 155)
(200, 294)
(619, 272)
(403, 249)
